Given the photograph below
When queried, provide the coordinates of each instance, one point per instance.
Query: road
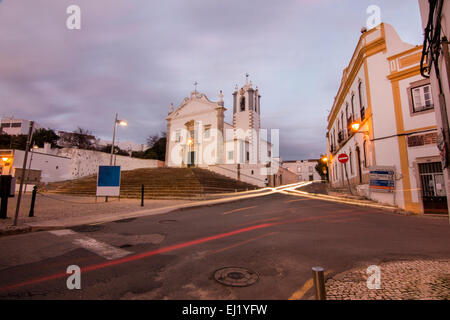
(278, 238)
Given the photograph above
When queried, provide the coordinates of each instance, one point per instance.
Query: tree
(42, 136)
(80, 138)
(151, 140)
(157, 148)
(322, 169)
(117, 150)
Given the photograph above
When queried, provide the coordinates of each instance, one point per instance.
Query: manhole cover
(87, 228)
(167, 221)
(235, 277)
(125, 220)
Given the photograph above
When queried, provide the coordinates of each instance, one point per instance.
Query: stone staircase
(159, 183)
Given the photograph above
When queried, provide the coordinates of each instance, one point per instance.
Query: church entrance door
(191, 158)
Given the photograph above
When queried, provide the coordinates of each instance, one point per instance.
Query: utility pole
(24, 167)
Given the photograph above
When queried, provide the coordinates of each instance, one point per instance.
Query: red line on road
(172, 248)
(242, 243)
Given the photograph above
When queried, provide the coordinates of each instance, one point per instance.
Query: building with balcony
(383, 119)
(435, 16)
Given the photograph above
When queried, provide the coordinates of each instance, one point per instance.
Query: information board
(108, 181)
(382, 179)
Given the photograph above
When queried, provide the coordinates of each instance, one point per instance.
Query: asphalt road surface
(277, 238)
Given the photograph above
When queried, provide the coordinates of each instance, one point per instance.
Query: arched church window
(243, 104)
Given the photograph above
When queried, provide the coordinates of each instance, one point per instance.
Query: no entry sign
(343, 158)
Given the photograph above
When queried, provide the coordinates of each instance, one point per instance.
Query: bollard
(142, 195)
(319, 283)
(5, 192)
(3, 207)
(33, 200)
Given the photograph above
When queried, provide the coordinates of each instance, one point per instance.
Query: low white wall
(69, 163)
(86, 162)
(231, 171)
(52, 167)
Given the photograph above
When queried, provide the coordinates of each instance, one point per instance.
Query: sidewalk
(400, 280)
(321, 191)
(63, 211)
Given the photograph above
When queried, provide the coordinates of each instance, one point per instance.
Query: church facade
(197, 134)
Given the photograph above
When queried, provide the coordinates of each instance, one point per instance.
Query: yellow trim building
(383, 92)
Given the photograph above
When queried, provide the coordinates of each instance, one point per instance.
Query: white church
(197, 135)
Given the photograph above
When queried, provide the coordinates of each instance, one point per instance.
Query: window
(6, 125)
(353, 107)
(230, 155)
(351, 163)
(361, 100)
(177, 136)
(207, 132)
(421, 98)
(299, 169)
(16, 125)
(242, 104)
(365, 153)
(248, 156)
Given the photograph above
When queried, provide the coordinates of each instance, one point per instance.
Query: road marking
(242, 243)
(63, 232)
(341, 220)
(100, 248)
(262, 220)
(240, 209)
(297, 200)
(170, 248)
(297, 295)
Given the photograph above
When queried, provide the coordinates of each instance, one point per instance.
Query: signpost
(343, 158)
(108, 181)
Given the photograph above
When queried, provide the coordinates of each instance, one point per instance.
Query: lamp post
(29, 166)
(116, 122)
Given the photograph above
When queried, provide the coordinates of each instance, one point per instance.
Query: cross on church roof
(195, 86)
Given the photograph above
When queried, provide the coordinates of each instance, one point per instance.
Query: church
(197, 134)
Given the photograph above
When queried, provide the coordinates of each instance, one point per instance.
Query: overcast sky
(135, 57)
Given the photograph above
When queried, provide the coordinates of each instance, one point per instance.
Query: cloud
(136, 57)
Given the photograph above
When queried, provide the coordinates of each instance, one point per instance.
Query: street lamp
(324, 160)
(356, 126)
(122, 123)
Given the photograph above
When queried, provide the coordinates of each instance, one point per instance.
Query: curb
(350, 202)
(16, 230)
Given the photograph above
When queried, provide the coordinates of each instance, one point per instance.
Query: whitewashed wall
(69, 163)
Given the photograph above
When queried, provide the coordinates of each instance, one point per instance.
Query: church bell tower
(246, 118)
